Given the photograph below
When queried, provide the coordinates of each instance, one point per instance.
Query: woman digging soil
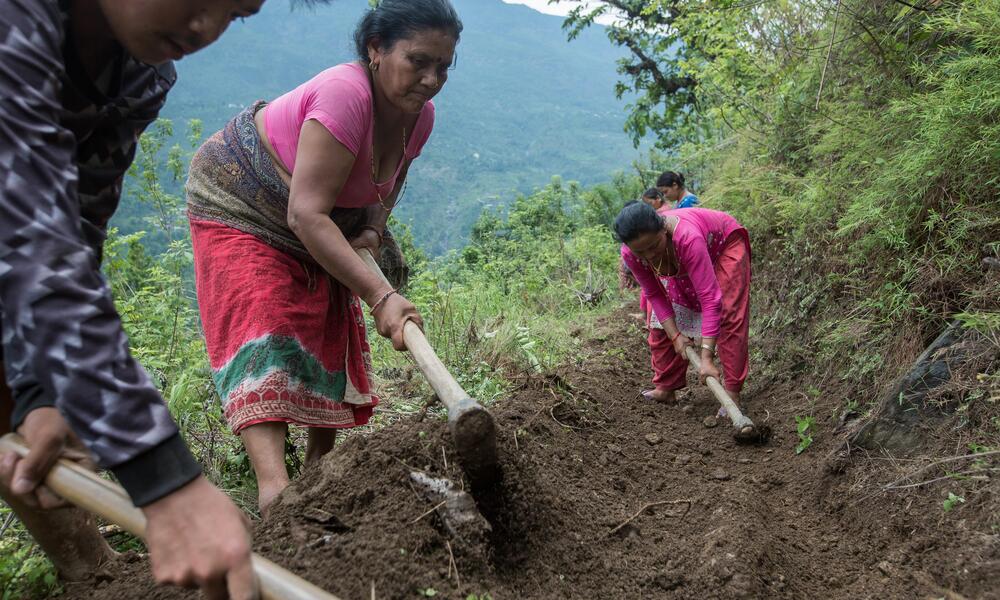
(705, 256)
(279, 200)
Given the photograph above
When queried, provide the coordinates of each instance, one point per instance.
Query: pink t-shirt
(340, 98)
(698, 240)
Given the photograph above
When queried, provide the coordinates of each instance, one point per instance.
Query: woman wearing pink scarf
(705, 255)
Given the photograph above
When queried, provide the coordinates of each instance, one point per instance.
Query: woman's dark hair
(669, 178)
(635, 219)
(653, 193)
(394, 20)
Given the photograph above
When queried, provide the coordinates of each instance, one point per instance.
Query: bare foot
(266, 497)
(661, 396)
(89, 567)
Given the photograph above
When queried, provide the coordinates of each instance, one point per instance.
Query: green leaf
(952, 501)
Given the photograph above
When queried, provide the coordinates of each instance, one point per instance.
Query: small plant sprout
(951, 502)
(804, 429)
(527, 346)
(616, 353)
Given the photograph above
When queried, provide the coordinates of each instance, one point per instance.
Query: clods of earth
(606, 495)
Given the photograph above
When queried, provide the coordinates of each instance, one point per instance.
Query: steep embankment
(585, 461)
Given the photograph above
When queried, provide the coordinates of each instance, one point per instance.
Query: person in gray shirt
(81, 79)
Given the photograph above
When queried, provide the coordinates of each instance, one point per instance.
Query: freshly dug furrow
(607, 496)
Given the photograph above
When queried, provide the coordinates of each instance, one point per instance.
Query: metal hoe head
(753, 435)
(474, 432)
(748, 433)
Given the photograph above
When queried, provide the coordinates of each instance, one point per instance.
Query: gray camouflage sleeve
(60, 331)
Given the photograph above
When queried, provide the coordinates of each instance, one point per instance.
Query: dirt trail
(582, 454)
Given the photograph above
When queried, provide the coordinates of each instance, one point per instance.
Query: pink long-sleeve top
(698, 240)
(643, 301)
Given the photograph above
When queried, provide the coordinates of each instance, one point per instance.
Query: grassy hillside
(885, 182)
(860, 148)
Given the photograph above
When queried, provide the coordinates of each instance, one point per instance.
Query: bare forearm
(327, 244)
(670, 327)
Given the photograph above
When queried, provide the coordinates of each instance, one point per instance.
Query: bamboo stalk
(109, 501)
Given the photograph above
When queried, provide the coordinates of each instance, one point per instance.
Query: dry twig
(893, 485)
(829, 51)
(452, 564)
(6, 523)
(962, 476)
(651, 505)
(432, 509)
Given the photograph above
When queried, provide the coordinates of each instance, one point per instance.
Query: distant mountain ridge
(522, 105)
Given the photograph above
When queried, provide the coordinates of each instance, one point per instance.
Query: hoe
(472, 428)
(746, 432)
(110, 502)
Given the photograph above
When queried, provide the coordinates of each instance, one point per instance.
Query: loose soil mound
(608, 496)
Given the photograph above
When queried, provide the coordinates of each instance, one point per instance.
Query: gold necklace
(375, 175)
(659, 265)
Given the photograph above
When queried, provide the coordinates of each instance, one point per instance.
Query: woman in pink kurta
(705, 256)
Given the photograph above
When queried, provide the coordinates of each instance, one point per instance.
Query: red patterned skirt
(286, 342)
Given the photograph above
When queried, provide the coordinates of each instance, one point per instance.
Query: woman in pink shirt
(705, 256)
(278, 202)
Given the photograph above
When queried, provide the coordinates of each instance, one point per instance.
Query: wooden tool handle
(109, 501)
(447, 389)
(735, 415)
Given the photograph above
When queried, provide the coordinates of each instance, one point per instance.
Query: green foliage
(986, 322)
(951, 502)
(152, 201)
(860, 142)
(979, 448)
(24, 570)
(525, 342)
(804, 429)
(155, 296)
(654, 70)
(505, 306)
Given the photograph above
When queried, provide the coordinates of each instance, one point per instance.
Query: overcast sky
(561, 8)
